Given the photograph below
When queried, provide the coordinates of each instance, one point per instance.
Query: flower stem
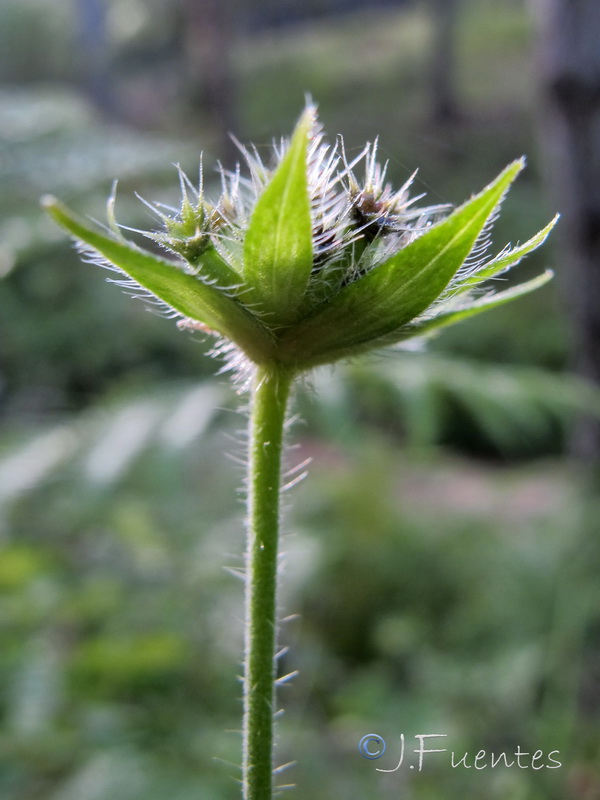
(267, 417)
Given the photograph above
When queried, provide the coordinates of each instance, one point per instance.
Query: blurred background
(443, 554)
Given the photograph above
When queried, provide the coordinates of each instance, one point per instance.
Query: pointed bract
(278, 253)
(392, 294)
(180, 291)
(445, 318)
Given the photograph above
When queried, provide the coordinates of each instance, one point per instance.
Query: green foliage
(61, 330)
(102, 445)
(516, 411)
(105, 660)
(35, 43)
(432, 590)
(435, 595)
(428, 399)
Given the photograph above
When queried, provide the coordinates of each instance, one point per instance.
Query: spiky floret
(310, 256)
(187, 231)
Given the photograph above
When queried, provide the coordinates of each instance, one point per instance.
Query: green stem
(267, 417)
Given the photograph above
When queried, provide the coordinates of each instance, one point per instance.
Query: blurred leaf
(36, 690)
(106, 442)
(18, 565)
(123, 662)
(513, 407)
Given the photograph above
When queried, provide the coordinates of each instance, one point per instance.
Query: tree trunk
(93, 38)
(444, 102)
(569, 64)
(207, 54)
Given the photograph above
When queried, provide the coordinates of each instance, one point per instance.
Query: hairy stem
(269, 400)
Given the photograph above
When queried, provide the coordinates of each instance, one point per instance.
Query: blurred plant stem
(207, 33)
(267, 419)
(95, 61)
(445, 106)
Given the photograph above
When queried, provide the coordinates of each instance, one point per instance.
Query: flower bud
(305, 263)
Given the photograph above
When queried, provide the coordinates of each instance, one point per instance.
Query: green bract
(303, 264)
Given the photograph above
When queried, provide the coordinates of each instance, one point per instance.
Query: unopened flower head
(310, 256)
